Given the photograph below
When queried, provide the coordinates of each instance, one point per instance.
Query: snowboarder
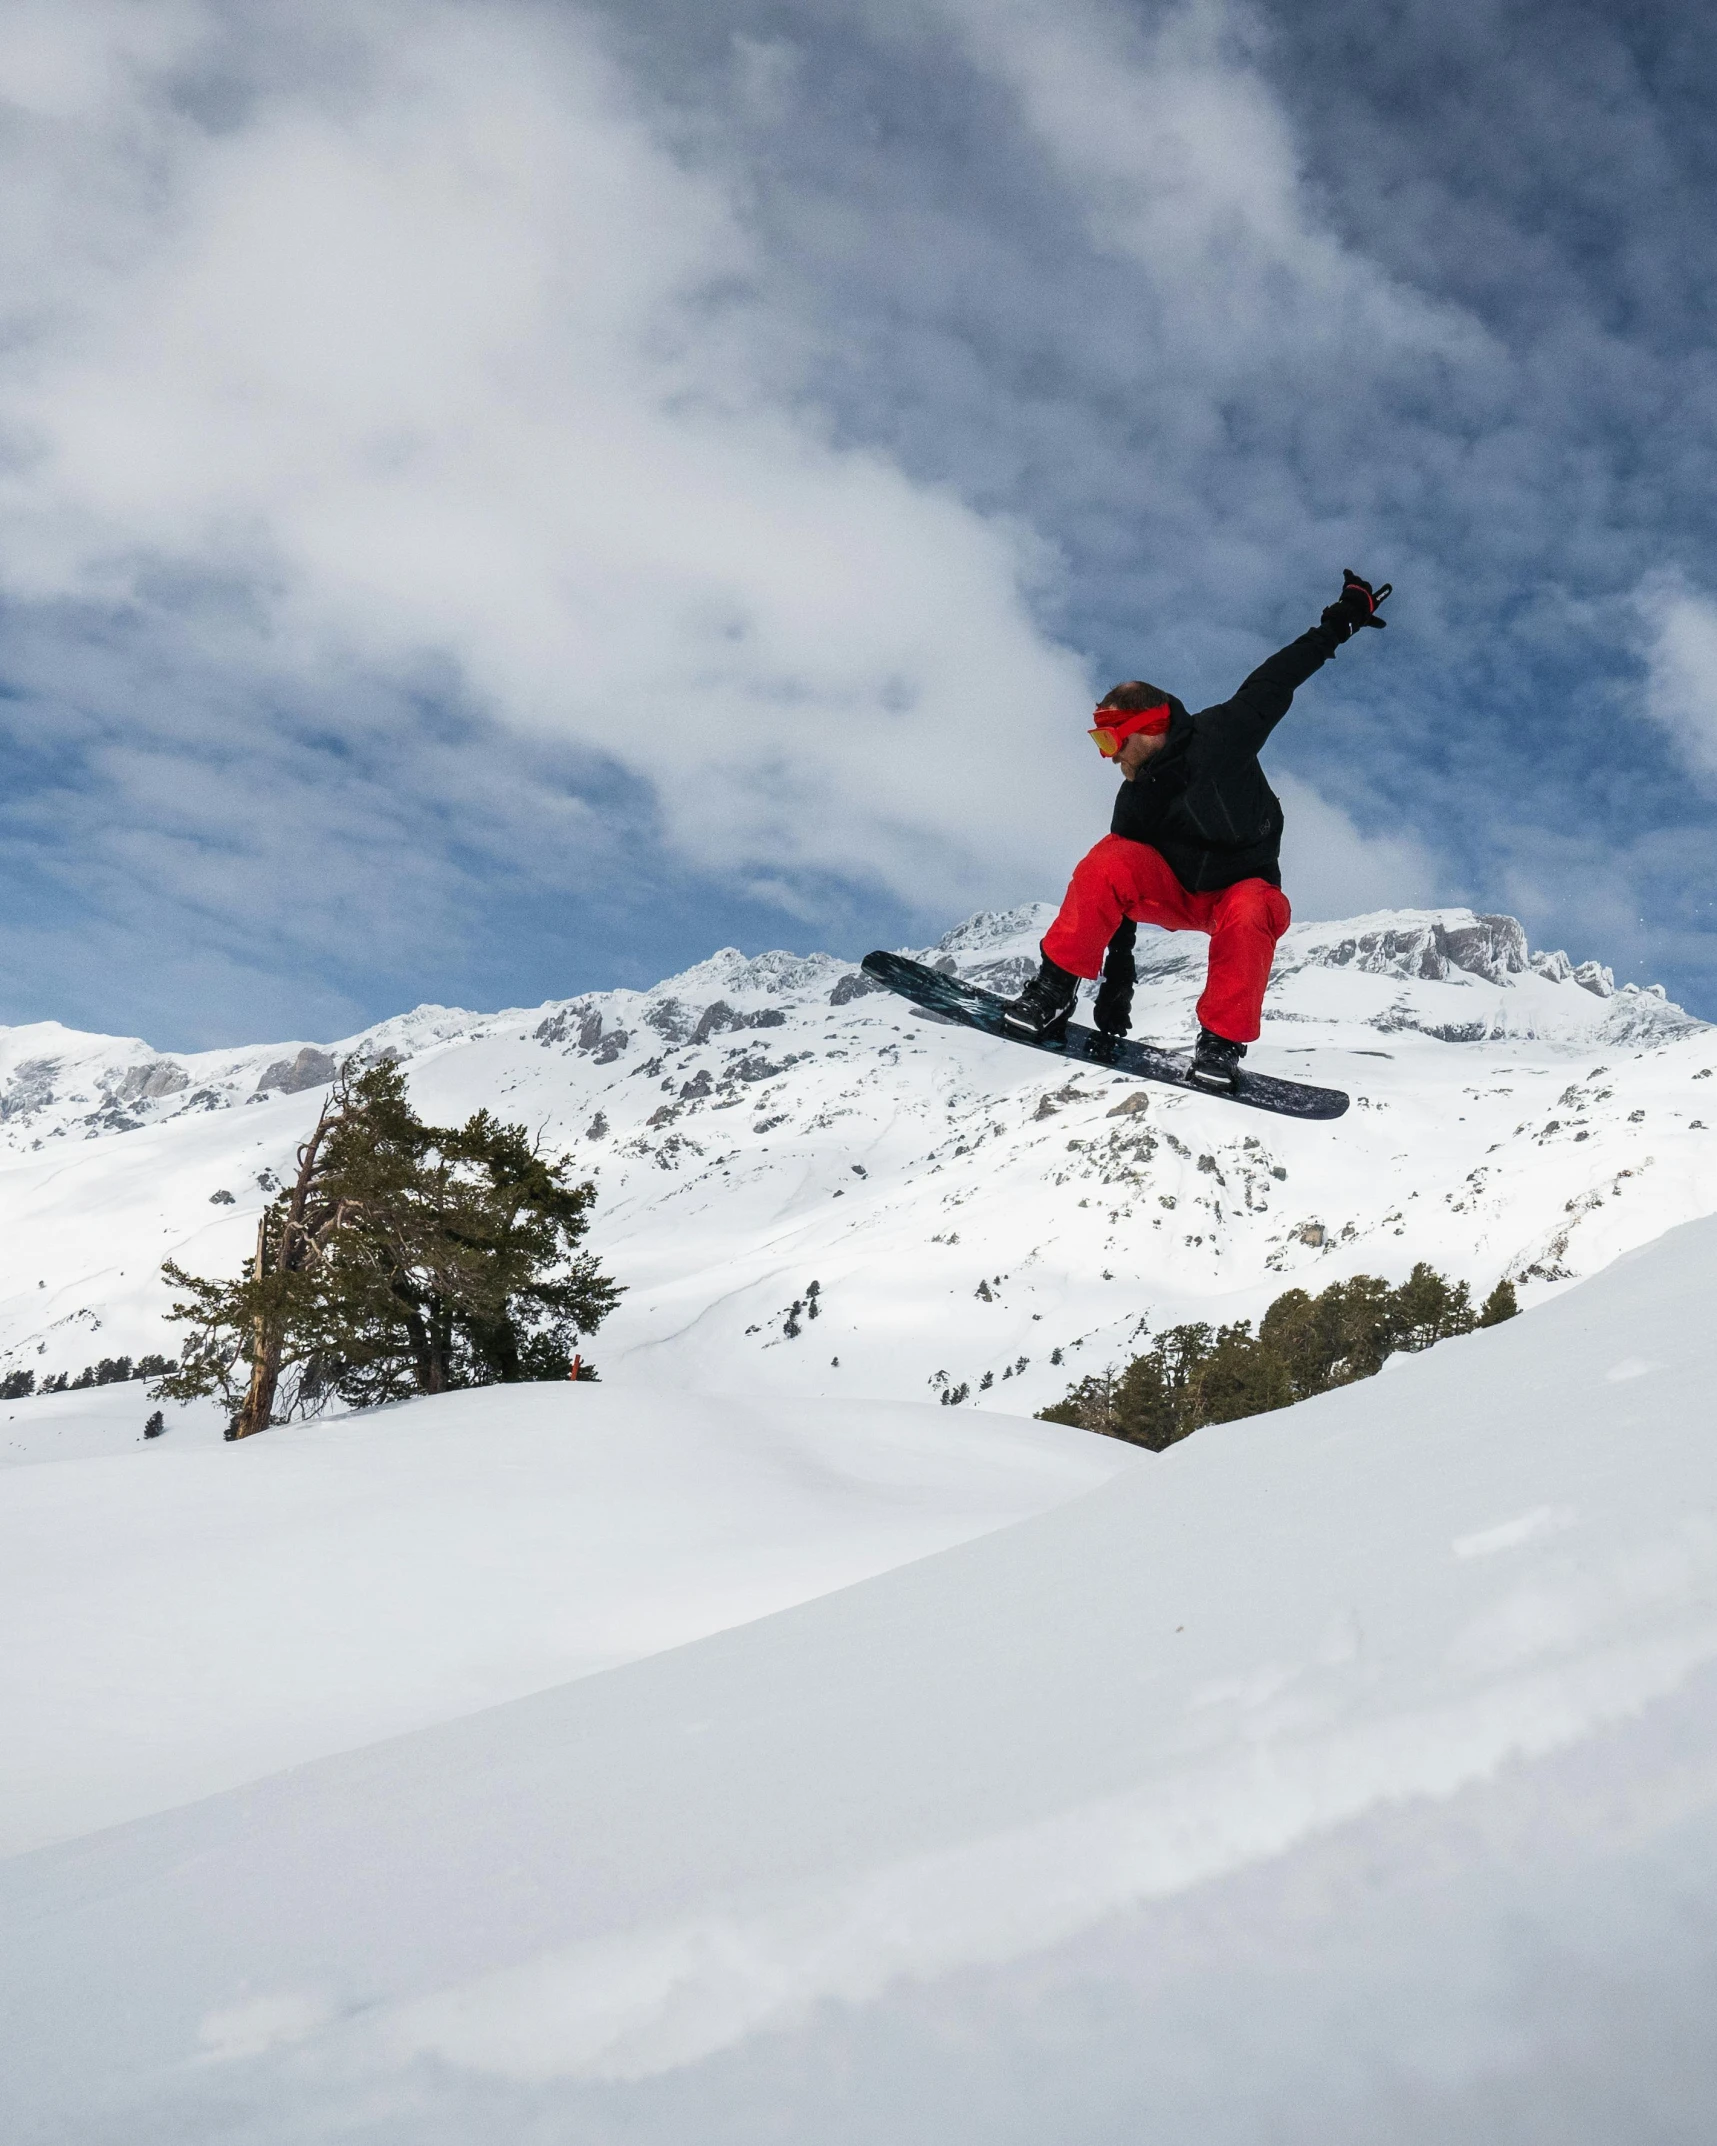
(1194, 846)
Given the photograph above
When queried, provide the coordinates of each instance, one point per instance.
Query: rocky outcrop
(1428, 945)
(30, 1089)
(1591, 976)
(147, 1083)
(579, 1025)
(1452, 945)
(289, 1076)
(721, 1020)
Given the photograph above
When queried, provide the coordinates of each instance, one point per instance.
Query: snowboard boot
(1216, 1062)
(1041, 1010)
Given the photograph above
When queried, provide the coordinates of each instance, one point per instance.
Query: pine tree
(1089, 1406)
(1238, 1377)
(1192, 1375)
(1343, 1333)
(1151, 1394)
(405, 1258)
(1427, 1309)
(1499, 1305)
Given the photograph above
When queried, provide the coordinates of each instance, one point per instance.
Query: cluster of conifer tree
(1304, 1345)
(405, 1258)
(111, 1371)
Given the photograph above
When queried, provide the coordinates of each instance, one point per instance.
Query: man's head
(1132, 725)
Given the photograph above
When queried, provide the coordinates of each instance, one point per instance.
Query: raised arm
(1244, 722)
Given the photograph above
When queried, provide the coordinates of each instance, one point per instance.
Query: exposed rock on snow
(310, 1069)
(30, 1089)
(148, 1083)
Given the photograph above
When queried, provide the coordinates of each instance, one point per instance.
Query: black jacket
(1203, 801)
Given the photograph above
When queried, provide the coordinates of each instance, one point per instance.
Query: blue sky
(498, 500)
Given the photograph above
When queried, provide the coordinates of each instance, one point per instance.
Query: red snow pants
(1121, 878)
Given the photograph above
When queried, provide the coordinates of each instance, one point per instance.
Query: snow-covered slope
(1343, 1775)
(98, 1421)
(181, 1618)
(966, 1207)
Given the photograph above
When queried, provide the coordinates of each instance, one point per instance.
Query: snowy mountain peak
(998, 930)
(1465, 948)
(1427, 943)
(732, 973)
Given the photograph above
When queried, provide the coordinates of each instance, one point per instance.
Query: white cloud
(1681, 667)
(1331, 869)
(1188, 168)
(406, 353)
(441, 354)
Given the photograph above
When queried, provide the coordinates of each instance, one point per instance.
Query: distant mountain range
(967, 1209)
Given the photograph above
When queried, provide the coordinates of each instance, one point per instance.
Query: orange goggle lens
(1120, 724)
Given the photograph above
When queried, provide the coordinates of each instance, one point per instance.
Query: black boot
(1216, 1062)
(1041, 1009)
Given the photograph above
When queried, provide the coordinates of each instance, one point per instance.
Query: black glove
(1356, 606)
(1113, 1012)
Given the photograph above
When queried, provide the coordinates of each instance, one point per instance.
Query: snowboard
(982, 1010)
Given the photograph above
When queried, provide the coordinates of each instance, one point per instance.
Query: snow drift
(1346, 1773)
(181, 1620)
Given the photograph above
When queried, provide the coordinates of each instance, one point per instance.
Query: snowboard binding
(1041, 1011)
(1216, 1062)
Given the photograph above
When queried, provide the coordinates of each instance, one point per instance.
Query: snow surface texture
(180, 1621)
(1342, 1775)
(756, 1125)
(100, 1420)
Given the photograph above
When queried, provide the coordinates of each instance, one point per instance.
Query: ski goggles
(1116, 725)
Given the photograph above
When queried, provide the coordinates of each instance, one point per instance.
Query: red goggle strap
(1119, 724)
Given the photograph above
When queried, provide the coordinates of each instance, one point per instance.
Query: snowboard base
(982, 1010)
